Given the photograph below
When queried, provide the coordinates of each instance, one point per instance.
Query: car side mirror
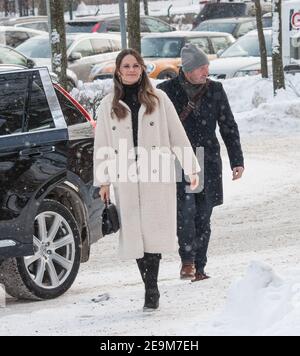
(174, 28)
(219, 53)
(30, 63)
(75, 56)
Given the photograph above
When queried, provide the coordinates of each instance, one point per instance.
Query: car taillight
(97, 27)
(77, 105)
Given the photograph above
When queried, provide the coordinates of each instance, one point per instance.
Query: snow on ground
(257, 110)
(254, 256)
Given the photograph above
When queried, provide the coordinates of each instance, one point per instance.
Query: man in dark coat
(195, 210)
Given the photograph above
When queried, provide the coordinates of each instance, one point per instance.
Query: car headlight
(97, 69)
(245, 73)
(150, 68)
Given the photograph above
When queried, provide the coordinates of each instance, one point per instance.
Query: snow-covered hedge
(89, 95)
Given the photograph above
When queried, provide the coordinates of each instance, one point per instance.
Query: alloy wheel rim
(54, 247)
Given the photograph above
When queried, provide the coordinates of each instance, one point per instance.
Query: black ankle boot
(151, 299)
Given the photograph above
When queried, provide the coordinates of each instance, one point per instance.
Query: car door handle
(36, 152)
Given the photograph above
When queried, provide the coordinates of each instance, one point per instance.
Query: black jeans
(193, 227)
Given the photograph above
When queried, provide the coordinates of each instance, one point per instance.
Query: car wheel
(51, 271)
(167, 74)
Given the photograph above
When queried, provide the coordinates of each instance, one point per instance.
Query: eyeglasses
(134, 67)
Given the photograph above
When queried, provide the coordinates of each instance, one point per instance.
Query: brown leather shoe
(200, 277)
(188, 271)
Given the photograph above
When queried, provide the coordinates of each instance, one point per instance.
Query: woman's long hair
(146, 93)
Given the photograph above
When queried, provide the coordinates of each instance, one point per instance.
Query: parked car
(242, 58)
(39, 23)
(83, 51)
(236, 26)
(12, 56)
(14, 36)
(216, 10)
(112, 24)
(50, 213)
(267, 20)
(162, 52)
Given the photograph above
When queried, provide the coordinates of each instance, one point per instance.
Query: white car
(14, 36)
(83, 51)
(242, 58)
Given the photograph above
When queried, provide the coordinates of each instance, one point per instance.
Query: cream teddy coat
(145, 196)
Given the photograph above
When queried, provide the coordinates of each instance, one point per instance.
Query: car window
(101, 46)
(15, 38)
(215, 11)
(143, 26)
(85, 48)
(23, 104)
(161, 47)
(156, 25)
(219, 43)
(113, 26)
(248, 46)
(8, 56)
(202, 43)
(245, 28)
(71, 114)
(267, 22)
(41, 26)
(217, 27)
(77, 27)
(38, 47)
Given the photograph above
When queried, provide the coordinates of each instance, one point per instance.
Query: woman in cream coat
(138, 132)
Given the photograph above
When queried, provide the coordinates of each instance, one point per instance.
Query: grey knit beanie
(192, 58)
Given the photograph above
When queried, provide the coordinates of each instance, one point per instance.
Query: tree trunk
(58, 40)
(133, 22)
(70, 8)
(278, 73)
(146, 7)
(262, 40)
(42, 8)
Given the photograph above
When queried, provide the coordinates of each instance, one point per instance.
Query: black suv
(112, 24)
(50, 213)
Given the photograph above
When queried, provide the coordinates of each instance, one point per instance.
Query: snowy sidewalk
(260, 222)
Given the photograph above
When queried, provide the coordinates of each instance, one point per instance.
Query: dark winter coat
(201, 126)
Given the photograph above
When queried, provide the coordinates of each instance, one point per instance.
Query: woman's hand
(195, 181)
(237, 173)
(105, 193)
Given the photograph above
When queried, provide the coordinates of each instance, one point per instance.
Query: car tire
(52, 270)
(167, 74)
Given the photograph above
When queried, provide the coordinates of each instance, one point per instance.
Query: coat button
(153, 147)
(154, 171)
(114, 128)
(151, 123)
(116, 152)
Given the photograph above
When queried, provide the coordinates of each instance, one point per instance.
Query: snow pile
(258, 111)
(251, 98)
(261, 303)
(90, 94)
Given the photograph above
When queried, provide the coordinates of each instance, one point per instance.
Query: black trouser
(193, 227)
